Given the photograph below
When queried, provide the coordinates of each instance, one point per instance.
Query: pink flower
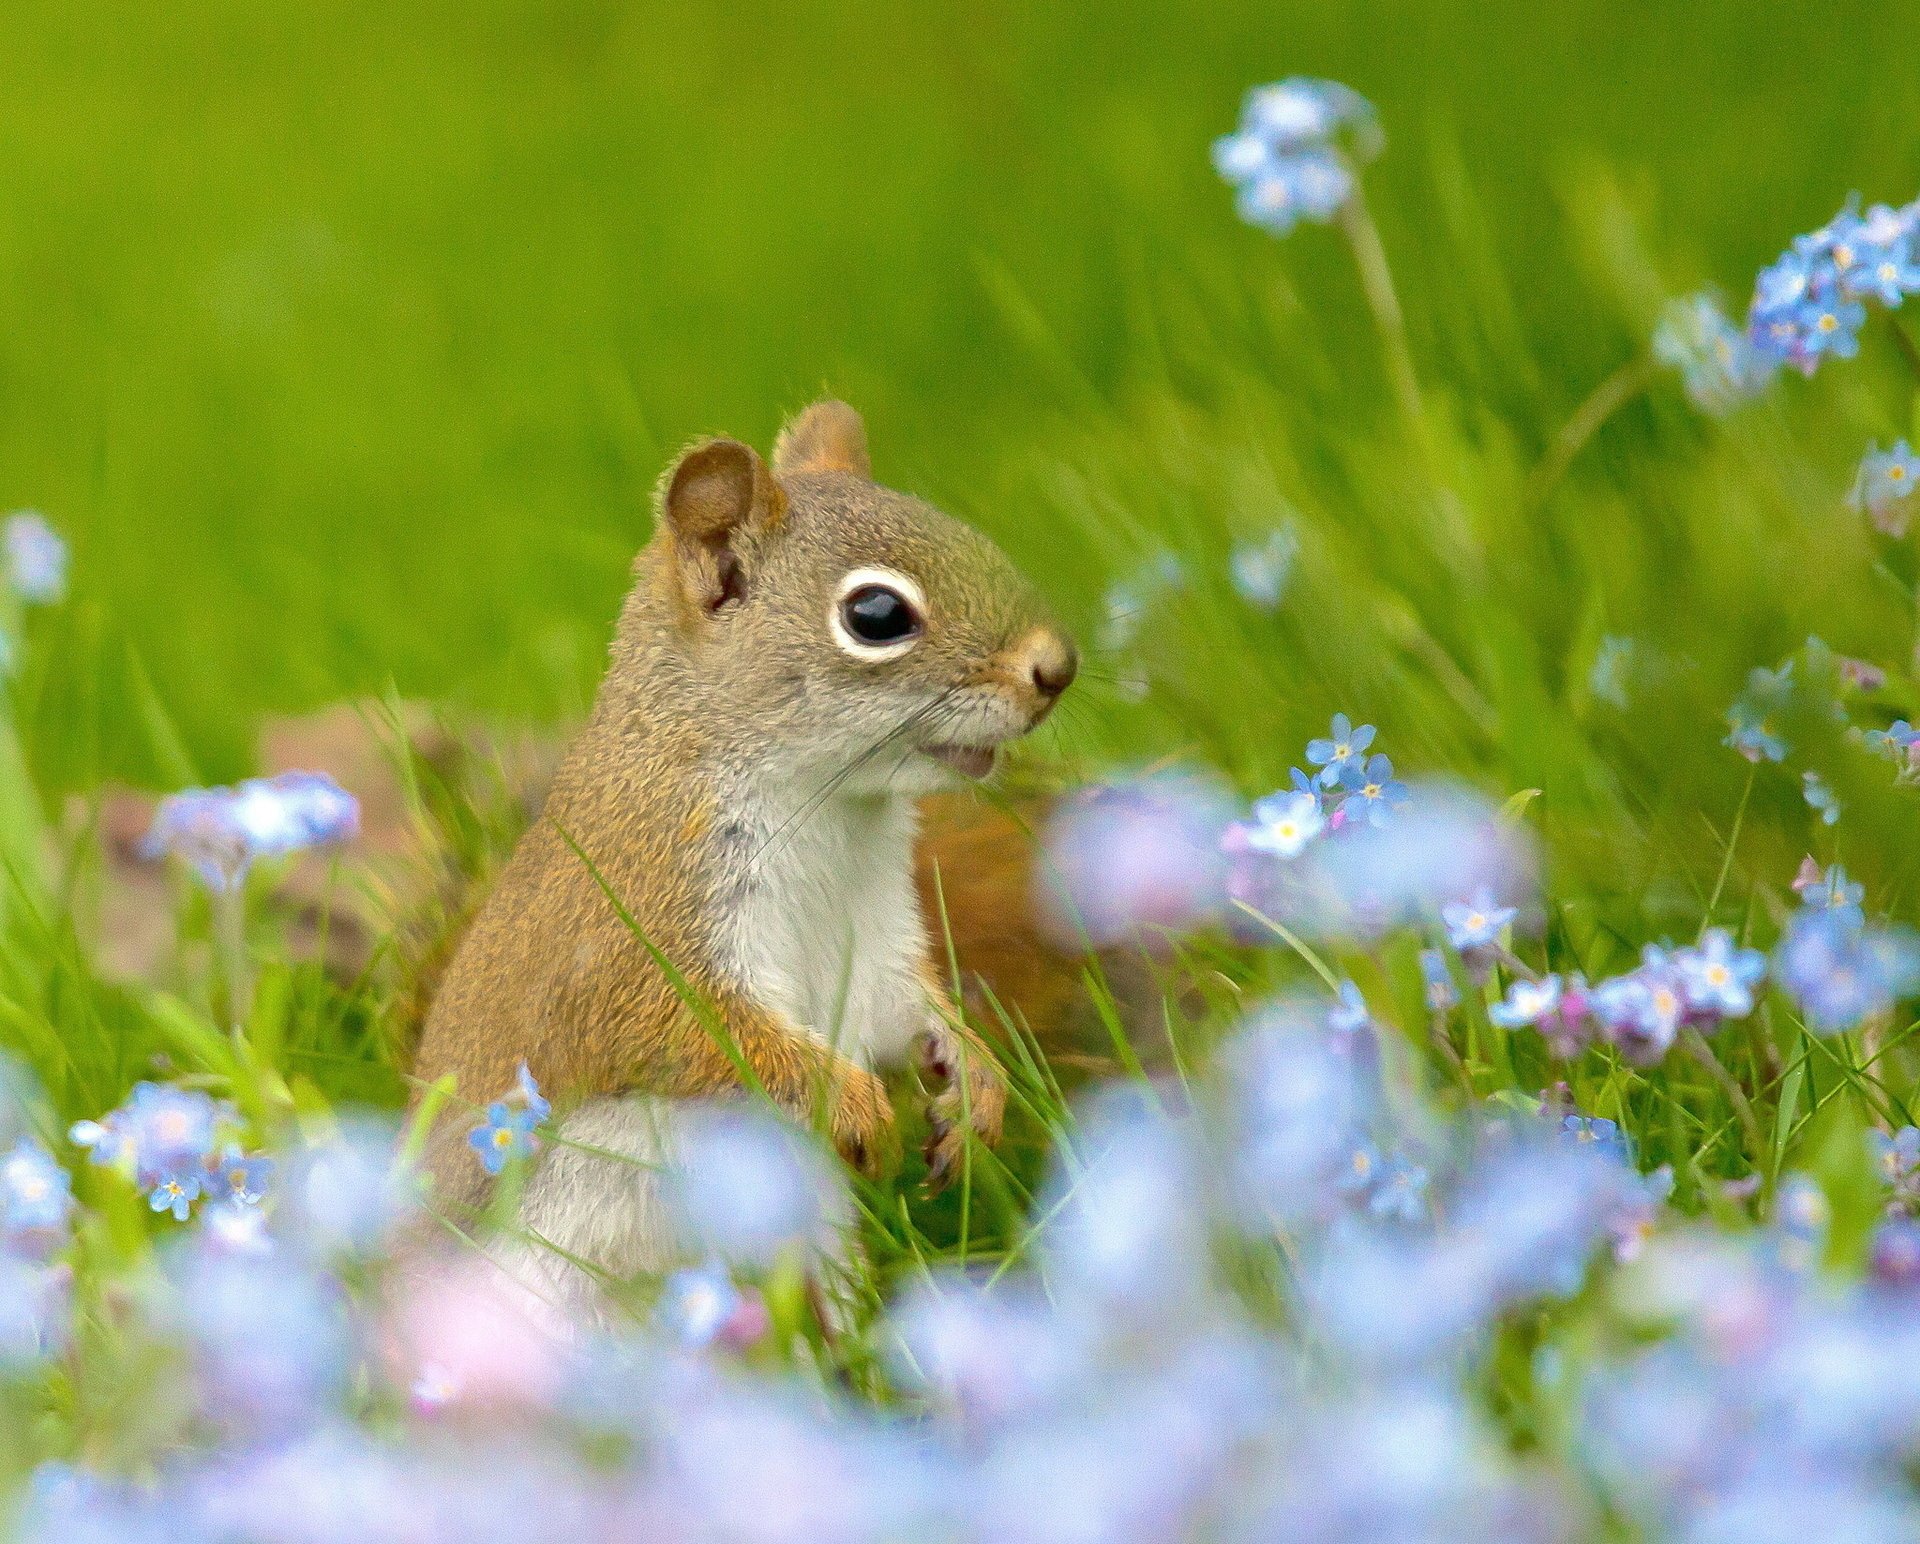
(468, 1335)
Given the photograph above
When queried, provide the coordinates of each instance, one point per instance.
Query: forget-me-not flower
(1372, 790)
(1717, 361)
(1526, 1002)
(1261, 568)
(1718, 977)
(1344, 743)
(1292, 157)
(1883, 487)
(1476, 923)
(36, 557)
(1283, 823)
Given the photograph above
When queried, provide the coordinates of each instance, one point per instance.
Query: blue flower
(1437, 978)
(175, 1193)
(1893, 1253)
(1643, 1010)
(220, 832)
(1872, 256)
(1895, 741)
(529, 1093)
(1283, 823)
(1884, 485)
(701, 1306)
(1348, 1016)
(1801, 313)
(1717, 977)
(1526, 1003)
(1598, 1132)
(1752, 735)
(1717, 361)
(1343, 745)
(1897, 1156)
(506, 1133)
(1261, 568)
(235, 1176)
(1399, 1191)
(36, 558)
(747, 1188)
(1841, 971)
(1371, 789)
(1831, 891)
(1292, 157)
(36, 1194)
(1476, 923)
(1821, 797)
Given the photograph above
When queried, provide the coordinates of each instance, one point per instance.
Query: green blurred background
(346, 341)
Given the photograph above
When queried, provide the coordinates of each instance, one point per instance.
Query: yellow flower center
(1828, 321)
(503, 1137)
(1717, 975)
(1896, 472)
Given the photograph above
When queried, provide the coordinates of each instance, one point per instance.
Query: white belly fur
(826, 930)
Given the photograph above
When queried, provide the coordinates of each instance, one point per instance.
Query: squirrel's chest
(824, 925)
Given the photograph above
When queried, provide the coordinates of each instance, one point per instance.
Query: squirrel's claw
(862, 1122)
(974, 1101)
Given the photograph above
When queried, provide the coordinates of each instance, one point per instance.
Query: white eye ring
(886, 579)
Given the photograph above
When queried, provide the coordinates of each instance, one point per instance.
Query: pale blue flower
(175, 1194)
(1717, 361)
(1437, 978)
(1343, 744)
(1717, 977)
(1283, 824)
(1842, 971)
(238, 1176)
(1883, 487)
(747, 1188)
(1752, 734)
(36, 1195)
(1372, 790)
(1526, 1002)
(1820, 797)
(220, 832)
(505, 1135)
(1476, 923)
(1261, 568)
(1348, 1016)
(1293, 155)
(36, 558)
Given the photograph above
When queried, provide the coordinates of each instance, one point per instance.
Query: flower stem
(1606, 399)
(1376, 279)
(1730, 1085)
(230, 946)
(1908, 348)
(1726, 861)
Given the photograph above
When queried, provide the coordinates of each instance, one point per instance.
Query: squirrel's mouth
(968, 760)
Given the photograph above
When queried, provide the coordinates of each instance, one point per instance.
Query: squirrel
(804, 654)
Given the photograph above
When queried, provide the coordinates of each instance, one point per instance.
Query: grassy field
(346, 343)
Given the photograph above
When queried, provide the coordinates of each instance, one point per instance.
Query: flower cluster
(178, 1146)
(1346, 786)
(1642, 1011)
(1810, 304)
(221, 832)
(1294, 154)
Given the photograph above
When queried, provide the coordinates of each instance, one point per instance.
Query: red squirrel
(804, 656)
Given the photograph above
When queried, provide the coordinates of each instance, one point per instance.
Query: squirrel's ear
(717, 495)
(827, 437)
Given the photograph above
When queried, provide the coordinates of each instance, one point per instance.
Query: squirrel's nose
(1052, 663)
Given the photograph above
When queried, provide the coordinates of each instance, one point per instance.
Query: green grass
(348, 341)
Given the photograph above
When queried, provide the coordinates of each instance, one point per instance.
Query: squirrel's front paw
(862, 1122)
(974, 1099)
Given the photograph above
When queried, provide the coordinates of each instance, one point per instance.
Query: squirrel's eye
(878, 615)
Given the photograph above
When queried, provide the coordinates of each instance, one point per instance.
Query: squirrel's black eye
(875, 614)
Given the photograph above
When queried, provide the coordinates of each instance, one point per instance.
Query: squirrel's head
(841, 623)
